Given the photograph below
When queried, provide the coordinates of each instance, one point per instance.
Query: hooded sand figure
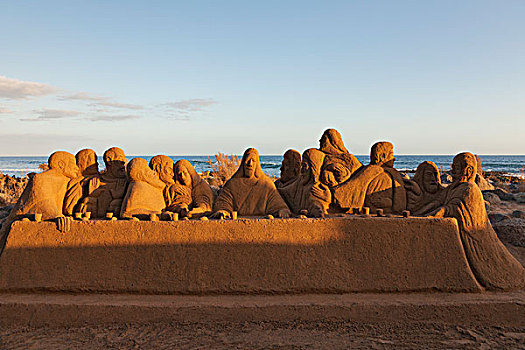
(250, 192)
(492, 264)
(339, 164)
(78, 188)
(145, 191)
(190, 195)
(307, 192)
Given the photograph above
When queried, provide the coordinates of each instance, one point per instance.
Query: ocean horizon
(514, 165)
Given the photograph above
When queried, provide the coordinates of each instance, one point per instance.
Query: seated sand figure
(145, 191)
(78, 188)
(190, 195)
(339, 164)
(163, 166)
(377, 185)
(44, 194)
(491, 263)
(250, 192)
(290, 168)
(424, 192)
(108, 189)
(307, 192)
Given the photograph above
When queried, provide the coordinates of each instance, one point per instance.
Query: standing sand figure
(290, 168)
(339, 164)
(425, 192)
(108, 189)
(489, 260)
(307, 192)
(44, 194)
(250, 192)
(78, 188)
(190, 195)
(377, 185)
(145, 191)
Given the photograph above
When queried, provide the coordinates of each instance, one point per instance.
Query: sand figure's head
(250, 165)
(139, 171)
(311, 166)
(382, 153)
(464, 167)
(163, 166)
(290, 166)
(332, 143)
(427, 177)
(185, 174)
(115, 162)
(87, 162)
(64, 163)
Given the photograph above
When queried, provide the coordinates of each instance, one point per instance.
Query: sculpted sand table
(492, 264)
(250, 192)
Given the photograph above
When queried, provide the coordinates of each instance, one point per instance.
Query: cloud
(191, 105)
(5, 110)
(18, 89)
(83, 96)
(116, 105)
(51, 114)
(113, 118)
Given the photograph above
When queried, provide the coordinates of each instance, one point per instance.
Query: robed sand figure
(339, 164)
(377, 185)
(79, 188)
(190, 195)
(307, 193)
(44, 194)
(424, 191)
(145, 191)
(250, 192)
(290, 168)
(492, 264)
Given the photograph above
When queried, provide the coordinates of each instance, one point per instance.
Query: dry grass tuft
(223, 168)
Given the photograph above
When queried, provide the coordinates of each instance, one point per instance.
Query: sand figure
(108, 189)
(339, 164)
(163, 166)
(145, 191)
(491, 263)
(307, 192)
(190, 195)
(44, 194)
(78, 188)
(290, 168)
(425, 192)
(250, 192)
(377, 185)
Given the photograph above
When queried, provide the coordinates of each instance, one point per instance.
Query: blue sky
(197, 77)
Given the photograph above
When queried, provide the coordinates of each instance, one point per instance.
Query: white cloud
(51, 114)
(83, 96)
(5, 110)
(191, 105)
(116, 105)
(18, 89)
(113, 118)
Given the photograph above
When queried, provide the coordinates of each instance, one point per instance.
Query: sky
(201, 77)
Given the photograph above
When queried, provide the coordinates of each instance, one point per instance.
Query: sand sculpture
(79, 188)
(377, 185)
(307, 193)
(145, 194)
(250, 192)
(290, 168)
(327, 180)
(44, 194)
(339, 164)
(190, 195)
(491, 263)
(109, 188)
(424, 191)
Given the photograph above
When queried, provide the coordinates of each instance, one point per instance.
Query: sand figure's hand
(284, 213)
(438, 213)
(221, 214)
(64, 223)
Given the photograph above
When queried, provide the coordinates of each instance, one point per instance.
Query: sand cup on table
(234, 215)
(379, 212)
(109, 215)
(87, 216)
(174, 216)
(366, 211)
(38, 217)
(406, 213)
(153, 217)
(78, 215)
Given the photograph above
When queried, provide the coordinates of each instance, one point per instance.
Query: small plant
(223, 168)
(43, 167)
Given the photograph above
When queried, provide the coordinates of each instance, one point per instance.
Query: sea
(513, 165)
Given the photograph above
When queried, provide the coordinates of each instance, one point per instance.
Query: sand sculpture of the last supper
(329, 224)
